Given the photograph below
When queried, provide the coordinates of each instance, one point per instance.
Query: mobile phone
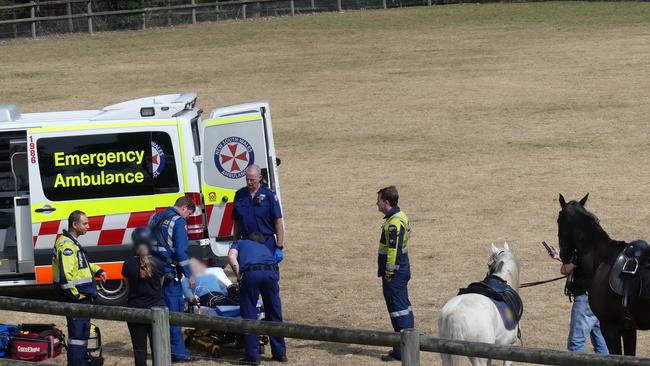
(548, 249)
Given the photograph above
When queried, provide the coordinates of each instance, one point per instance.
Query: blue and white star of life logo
(232, 156)
(157, 159)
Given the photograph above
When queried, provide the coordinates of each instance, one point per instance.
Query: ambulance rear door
(233, 138)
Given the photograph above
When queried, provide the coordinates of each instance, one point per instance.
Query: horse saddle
(506, 299)
(629, 276)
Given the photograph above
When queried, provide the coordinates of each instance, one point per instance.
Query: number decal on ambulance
(32, 150)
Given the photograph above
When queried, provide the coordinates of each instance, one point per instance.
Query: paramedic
(74, 279)
(393, 264)
(257, 272)
(143, 275)
(257, 209)
(170, 246)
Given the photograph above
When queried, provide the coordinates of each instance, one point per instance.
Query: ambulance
(120, 164)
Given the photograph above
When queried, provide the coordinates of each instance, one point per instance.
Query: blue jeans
(584, 323)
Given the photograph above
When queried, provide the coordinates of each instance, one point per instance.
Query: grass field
(480, 114)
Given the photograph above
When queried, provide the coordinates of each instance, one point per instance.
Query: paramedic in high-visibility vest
(170, 245)
(74, 280)
(393, 264)
(257, 209)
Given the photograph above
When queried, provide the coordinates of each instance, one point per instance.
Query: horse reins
(531, 284)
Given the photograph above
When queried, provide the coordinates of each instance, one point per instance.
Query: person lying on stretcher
(212, 286)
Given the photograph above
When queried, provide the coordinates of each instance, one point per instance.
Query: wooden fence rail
(411, 340)
(34, 18)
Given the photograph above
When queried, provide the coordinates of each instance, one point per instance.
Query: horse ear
(506, 247)
(562, 201)
(494, 249)
(584, 199)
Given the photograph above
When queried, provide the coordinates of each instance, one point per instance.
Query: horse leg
(612, 333)
(629, 342)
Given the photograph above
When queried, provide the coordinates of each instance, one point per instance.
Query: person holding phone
(580, 273)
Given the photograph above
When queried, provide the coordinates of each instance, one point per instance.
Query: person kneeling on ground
(257, 273)
(211, 285)
(144, 276)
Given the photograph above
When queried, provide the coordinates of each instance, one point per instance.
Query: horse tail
(451, 325)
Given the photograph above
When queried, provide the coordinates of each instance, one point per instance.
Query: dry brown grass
(480, 114)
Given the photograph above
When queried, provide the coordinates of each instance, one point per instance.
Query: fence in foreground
(412, 341)
(44, 17)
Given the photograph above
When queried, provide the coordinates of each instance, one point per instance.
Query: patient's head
(197, 266)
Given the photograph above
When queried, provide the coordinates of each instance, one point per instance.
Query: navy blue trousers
(398, 304)
(173, 295)
(78, 334)
(254, 284)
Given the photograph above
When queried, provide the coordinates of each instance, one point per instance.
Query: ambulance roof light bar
(159, 106)
(9, 113)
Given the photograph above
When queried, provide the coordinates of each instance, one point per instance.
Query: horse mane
(591, 222)
(509, 272)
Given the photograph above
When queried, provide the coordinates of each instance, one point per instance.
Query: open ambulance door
(232, 139)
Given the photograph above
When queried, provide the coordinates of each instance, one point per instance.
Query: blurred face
(142, 250)
(382, 205)
(253, 180)
(197, 267)
(184, 211)
(81, 227)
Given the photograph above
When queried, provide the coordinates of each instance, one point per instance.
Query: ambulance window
(95, 166)
(165, 178)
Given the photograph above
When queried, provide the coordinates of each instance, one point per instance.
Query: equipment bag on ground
(6, 332)
(37, 342)
(94, 345)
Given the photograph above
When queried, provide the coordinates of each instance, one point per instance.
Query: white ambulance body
(121, 164)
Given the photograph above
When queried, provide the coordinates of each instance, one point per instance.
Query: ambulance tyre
(113, 292)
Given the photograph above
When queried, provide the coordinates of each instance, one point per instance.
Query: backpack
(94, 345)
(37, 342)
(6, 331)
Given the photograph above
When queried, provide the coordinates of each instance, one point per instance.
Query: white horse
(474, 317)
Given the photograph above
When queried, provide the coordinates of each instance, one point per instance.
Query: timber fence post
(339, 6)
(161, 350)
(32, 14)
(89, 10)
(383, 4)
(410, 343)
(68, 8)
(293, 7)
(243, 11)
(194, 12)
(313, 6)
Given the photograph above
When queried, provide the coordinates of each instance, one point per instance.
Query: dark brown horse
(580, 231)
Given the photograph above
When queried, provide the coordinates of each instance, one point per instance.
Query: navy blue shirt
(256, 214)
(144, 293)
(250, 253)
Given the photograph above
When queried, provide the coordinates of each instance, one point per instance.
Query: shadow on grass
(342, 349)
(119, 349)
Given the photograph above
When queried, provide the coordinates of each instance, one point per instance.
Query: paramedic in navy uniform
(257, 209)
(257, 271)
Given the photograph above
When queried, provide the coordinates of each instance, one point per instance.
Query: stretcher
(212, 341)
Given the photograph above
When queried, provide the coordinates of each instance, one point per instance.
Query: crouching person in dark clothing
(257, 272)
(144, 275)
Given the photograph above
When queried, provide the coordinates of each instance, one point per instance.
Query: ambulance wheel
(112, 292)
